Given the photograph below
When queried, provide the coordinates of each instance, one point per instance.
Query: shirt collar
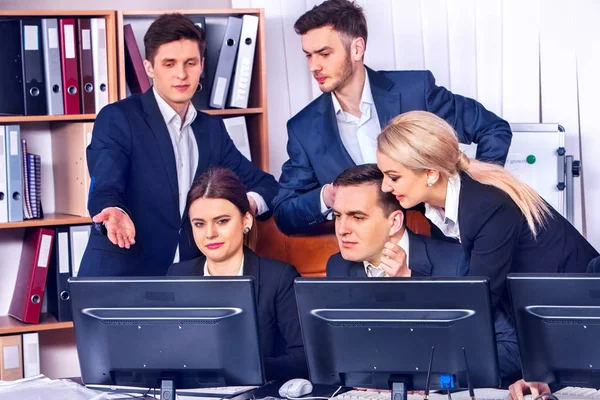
(403, 243)
(240, 272)
(169, 114)
(451, 206)
(365, 99)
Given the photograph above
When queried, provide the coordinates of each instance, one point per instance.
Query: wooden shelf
(47, 118)
(235, 111)
(50, 219)
(10, 325)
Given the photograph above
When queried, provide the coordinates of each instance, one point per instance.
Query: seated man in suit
(374, 242)
(145, 152)
(339, 129)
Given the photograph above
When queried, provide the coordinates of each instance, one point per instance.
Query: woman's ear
(396, 220)
(432, 176)
(248, 221)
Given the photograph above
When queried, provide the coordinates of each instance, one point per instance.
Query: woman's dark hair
(222, 183)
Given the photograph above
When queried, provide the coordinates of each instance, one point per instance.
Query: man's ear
(396, 220)
(149, 68)
(357, 49)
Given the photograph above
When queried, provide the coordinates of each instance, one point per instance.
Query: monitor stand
(399, 391)
(167, 389)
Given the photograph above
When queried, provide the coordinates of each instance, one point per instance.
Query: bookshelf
(11, 326)
(256, 114)
(38, 131)
(57, 346)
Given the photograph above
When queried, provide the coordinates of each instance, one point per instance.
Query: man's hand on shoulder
(329, 192)
(119, 227)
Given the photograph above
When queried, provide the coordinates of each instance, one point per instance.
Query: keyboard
(577, 393)
(568, 393)
(218, 392)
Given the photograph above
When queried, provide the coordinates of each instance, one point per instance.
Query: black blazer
(280, 335)
(132, 166)
(431, 257)
(497, 240)
(428, 257)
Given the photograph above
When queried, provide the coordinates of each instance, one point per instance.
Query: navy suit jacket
(497, 240)
(280, 335)
(132, 166)
(427, 257)
(317, 155)
(431, 257)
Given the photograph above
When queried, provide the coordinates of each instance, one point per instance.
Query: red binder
(69, 65)
(86, 65)
(135, 73)
(27, 299)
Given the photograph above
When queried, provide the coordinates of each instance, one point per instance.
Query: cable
(316, 398)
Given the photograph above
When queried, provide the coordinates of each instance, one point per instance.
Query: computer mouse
(295, 388)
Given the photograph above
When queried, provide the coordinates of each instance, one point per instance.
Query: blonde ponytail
(421, 141)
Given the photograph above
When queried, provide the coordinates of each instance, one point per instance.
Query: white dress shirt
(403, 243)
(240, 272)
(185, 148)
(447, 218)
(358, 134)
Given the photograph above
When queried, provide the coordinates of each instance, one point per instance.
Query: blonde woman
(502, 224)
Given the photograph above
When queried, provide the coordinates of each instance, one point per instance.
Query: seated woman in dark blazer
(222, 223)
(502, 224)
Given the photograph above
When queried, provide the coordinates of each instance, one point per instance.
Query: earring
(429, 184)
(246, 230)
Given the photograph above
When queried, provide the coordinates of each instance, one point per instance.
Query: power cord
(316, 398)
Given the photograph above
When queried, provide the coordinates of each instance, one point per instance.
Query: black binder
(11, 68)
(57, 285)
(33, 67)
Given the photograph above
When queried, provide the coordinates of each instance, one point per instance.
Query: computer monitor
(180, 332)
(557, 318)
(373, 333)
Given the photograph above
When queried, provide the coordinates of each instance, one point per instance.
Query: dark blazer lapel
(159, 129)
(325, 124)
(417, 255)
(356, 270)
(252, 268)
(387, 103)
(203, 141)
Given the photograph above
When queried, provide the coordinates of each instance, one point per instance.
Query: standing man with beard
(339, 129)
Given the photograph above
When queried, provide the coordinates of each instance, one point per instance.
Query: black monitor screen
(199, 332)
(557, 318)
(372, 332)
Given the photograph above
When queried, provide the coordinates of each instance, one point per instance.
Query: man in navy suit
(340, 128)
(146, 151)
(374, 242)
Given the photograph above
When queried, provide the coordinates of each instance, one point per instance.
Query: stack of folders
(48, 259)
(20, 178)
(62, 66)
(19, 356)
(228, 64)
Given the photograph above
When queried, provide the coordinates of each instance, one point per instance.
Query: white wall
(526, 60)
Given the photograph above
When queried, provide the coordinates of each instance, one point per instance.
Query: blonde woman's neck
(438, 193)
